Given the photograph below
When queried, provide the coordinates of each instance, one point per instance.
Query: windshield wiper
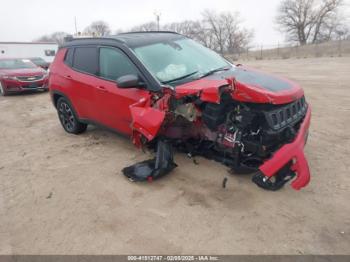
(215, 70)
(180, 78)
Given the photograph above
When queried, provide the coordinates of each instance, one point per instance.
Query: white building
(47, 51)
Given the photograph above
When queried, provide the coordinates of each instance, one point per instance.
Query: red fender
(146, 119)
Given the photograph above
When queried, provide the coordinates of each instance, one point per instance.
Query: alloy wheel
(66, 116)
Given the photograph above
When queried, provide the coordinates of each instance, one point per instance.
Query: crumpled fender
(210, 95)
(207, 90)
(146, 119)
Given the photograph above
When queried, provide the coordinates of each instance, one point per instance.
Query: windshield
(16, 64)
(182, 59)
(37, 60)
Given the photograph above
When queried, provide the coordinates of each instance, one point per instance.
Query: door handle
(68, 76)
(102, 88)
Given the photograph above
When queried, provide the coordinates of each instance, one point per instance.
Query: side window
(114, 64)
(85, 59)
(69, 57)
(50, 52)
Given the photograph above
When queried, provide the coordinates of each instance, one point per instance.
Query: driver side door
(114, 102)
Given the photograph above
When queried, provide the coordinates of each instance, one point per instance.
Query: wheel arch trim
(59, 94)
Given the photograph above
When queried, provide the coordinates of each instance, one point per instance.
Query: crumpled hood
(249, 85)
(22, 72)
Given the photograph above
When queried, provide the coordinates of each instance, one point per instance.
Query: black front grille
(30, 78)
(286, 115)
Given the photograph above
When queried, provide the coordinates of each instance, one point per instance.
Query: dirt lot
(62, 193)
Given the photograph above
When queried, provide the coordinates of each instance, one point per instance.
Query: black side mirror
(129, 81)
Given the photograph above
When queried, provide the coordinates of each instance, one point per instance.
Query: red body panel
(208, 89)
(95, 98)
(146, 120)
(243, 91)
(293, 151)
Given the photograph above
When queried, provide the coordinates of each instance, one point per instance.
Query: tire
(68, 117)
(2, 91)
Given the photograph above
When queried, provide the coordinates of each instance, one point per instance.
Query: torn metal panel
(157, 167)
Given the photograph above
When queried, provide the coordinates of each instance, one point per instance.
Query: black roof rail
(71, 38)
(68, 38)
(143, 32)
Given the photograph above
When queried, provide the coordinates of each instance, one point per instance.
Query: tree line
(301, 21)
(222, 32)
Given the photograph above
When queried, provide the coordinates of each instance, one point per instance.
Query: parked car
(168, 92)
(20, 75)
(40, 62)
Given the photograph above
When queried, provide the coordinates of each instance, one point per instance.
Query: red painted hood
(22, 72)
(249, 85)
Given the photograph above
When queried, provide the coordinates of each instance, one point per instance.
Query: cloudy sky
(28, 19)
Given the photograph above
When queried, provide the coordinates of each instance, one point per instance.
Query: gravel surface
(65, 194)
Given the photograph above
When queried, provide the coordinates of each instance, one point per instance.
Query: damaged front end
(220, 123)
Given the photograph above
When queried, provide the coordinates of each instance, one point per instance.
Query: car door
(81, 80)
(114, 102)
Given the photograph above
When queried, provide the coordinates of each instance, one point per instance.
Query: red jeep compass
(19, 75)
(168, 92)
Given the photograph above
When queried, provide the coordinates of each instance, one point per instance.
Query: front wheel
(68, 118)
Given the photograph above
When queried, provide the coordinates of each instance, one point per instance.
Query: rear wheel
(68, 118)
(2, 90)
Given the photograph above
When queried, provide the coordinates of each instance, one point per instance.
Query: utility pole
(157, 14)
(75, 25)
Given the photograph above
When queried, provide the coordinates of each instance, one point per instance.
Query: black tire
(2, 91)
(68, 117)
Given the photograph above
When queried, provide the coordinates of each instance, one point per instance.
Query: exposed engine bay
(241, 135)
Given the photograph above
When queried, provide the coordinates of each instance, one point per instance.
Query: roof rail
(71, 38)
(142, 32)
(68, 38)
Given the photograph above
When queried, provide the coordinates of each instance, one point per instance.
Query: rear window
(69, 57)
(85, 59)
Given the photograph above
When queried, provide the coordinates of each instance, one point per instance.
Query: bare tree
(189, 28)
(341, 32)
(224, 32)
(308, 21)
(57, 37)
(98, 28)
(213, 22)
(150, 26)
(221, 32)
(237, 38)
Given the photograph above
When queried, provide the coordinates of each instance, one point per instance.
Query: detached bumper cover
(292, 151)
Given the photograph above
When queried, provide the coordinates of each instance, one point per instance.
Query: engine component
(188, 111)
(214, 115)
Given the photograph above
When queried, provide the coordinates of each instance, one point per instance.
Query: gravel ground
(65, 194)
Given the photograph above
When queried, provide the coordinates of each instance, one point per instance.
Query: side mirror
(129, 81)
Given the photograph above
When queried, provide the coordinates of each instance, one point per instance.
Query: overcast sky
(29, 19)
